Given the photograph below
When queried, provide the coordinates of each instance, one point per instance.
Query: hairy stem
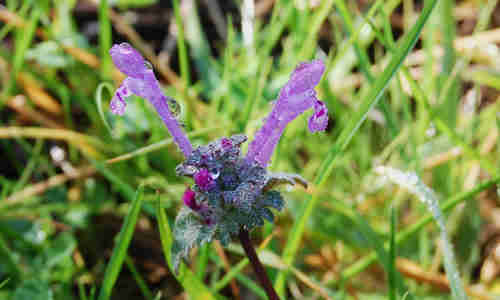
(256, 264)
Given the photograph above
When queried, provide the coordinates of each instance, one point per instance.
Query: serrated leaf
(276, 179)
(273, 199)
(238, 139)
(189, 231)
(267, 214)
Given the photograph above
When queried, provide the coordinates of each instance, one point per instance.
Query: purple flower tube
(295, 98)
(142, 82)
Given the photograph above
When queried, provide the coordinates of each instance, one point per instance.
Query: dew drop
(148, 65)
(191, 170)
(174, 106)
(215, 174)
(431, 131)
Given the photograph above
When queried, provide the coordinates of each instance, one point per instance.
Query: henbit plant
(232, 194)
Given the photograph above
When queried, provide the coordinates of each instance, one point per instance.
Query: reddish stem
(256, 264)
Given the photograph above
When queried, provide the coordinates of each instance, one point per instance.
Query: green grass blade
(183, 60)
(181, 44)
(123, 186)
(98, 97)
(191, 284)
(364, 64)
(202, 261)
(312, 34)
(120, 250)
(16, 273)
(235, 270)
(141, 283)
(24, 37)
(4, 282)
(105, 39)
(374, 240)
(392, 257)
(348, 132)
(277, 27)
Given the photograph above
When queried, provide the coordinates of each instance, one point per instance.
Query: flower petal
(319, 120)
(141, 81)
(128, 60)
(118, 104)
(297, 96)
(305, 77)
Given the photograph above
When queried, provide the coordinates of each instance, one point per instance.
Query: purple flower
(203, 179)
(142, 82)
(230, 192)
(295, 97)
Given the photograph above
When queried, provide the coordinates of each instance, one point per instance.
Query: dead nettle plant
(232, 193)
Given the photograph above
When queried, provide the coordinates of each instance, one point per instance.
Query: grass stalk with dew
(414, 185)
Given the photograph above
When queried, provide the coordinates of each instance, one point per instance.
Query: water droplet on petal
(191, 170)
(174, 106)
(148, 65)
(214, 174)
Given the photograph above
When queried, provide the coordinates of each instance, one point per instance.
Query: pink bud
(189, 199)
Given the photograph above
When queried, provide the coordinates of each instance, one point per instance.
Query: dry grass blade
(11, 18)
(38, 95)
(414, 271)
(19, 104)
(80, 140)
(227, 266)
(38, 188)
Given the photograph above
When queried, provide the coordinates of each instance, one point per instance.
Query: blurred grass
(406, 87)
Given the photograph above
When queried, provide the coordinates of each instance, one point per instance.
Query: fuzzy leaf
(273, 199)
(189, 231)
(267, 214)
(276, 179)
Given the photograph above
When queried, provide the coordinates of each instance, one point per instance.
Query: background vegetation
(410, 85)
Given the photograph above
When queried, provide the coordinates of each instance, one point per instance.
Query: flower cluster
(230, 191)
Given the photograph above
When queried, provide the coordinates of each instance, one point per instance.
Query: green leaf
(189, 231)
(273, 199)
(33, 289)
(191, 284)
(120, 250)
(61, 248)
